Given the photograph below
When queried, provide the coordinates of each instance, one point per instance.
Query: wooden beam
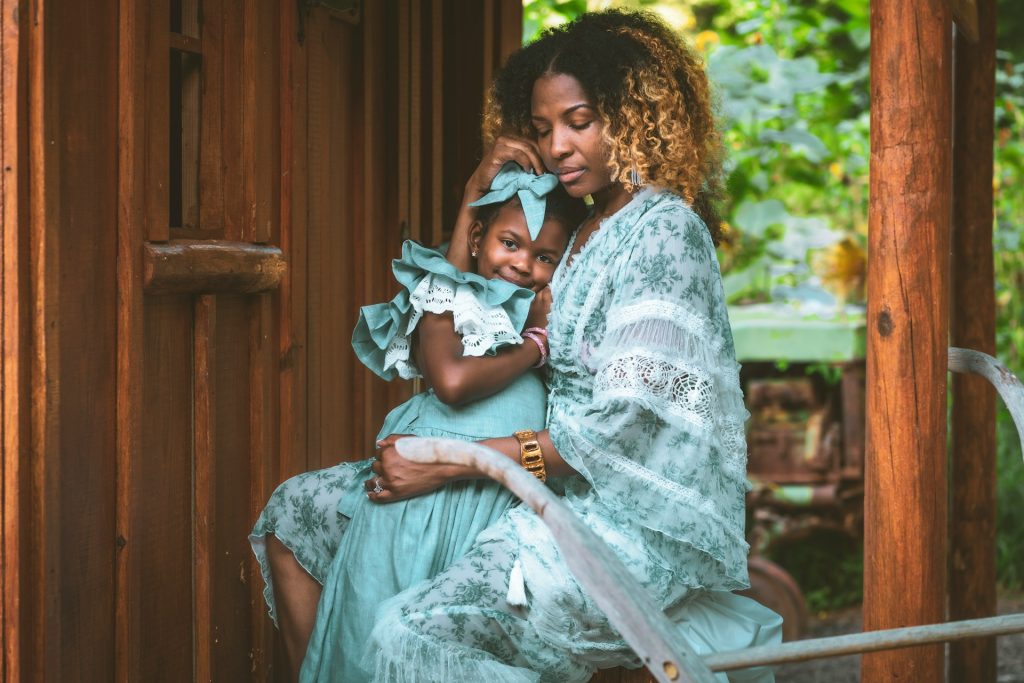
(972, 558)
(965, 14)
(204, 266)
(909, 217)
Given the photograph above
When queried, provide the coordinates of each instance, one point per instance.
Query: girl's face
(506, 251)
(569, 134)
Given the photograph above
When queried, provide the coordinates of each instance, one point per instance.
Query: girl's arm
(457, 379)
(523, 152)
(401, 478)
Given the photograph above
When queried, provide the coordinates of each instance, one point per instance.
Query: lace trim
(681, 316)
(666, 385)
(482, 328)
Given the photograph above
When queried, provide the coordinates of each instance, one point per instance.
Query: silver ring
(377, 488)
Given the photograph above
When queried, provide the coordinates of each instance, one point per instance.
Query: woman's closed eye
(581, 126)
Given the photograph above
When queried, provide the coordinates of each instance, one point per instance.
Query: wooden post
(972, 570)
(908, 325)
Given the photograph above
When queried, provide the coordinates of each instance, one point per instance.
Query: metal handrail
(631, 610)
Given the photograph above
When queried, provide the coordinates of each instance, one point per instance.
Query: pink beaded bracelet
(528, 334)
(539, 330)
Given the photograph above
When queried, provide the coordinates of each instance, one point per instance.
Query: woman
(645, 414)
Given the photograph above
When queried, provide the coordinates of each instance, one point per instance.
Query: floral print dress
(644, 403)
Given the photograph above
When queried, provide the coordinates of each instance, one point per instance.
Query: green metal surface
(782, 332)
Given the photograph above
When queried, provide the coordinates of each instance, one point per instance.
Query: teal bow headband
(511, 179)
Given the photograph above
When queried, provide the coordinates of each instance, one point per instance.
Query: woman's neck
(610, 199)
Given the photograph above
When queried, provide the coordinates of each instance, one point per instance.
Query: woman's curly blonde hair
(649, 87)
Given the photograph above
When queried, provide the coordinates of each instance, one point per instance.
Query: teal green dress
(364, 552)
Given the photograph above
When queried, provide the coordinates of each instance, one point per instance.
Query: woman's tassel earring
(634, 177)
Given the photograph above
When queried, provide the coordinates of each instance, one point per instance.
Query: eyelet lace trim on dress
(481, 327)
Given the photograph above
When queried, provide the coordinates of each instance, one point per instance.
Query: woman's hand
(540, 308)
(506, 148)
(397, 478)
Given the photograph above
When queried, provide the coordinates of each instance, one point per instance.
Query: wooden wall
(145, 423)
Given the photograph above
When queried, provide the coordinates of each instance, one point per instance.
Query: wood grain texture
(908, 323)
(204, 468)
(14, 424)
(157, 111)
(86, 136)
(132, 169)
(202, 266)
(972, 567)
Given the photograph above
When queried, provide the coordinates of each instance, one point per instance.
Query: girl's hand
(400, 478)
(540, 308)
(506, 148)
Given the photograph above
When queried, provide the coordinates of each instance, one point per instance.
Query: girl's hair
(647, 85)
(559, 206)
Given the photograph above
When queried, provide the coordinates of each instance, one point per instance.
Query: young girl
(461, 332)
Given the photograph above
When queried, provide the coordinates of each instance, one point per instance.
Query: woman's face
(506, 251)
(569, 134)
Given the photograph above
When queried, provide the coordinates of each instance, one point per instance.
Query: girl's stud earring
(473, 254)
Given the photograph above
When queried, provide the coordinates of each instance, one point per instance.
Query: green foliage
(827, 566)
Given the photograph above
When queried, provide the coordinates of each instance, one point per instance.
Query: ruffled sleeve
(660, 438)
(487, 313)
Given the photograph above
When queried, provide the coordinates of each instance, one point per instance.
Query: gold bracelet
(530, 454)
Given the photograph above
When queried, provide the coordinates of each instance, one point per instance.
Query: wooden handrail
(211, 267)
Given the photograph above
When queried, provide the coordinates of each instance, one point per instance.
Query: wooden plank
(318, 159)
(195, 266)
(157, 103)
(41, 580)
(972, 570)
(249, 110)
(211, 173)
(293, 451)
(266, 124)
(233, 166)
(231, 626)
(132, 169)
(14, 425)
(436, 132)
(420, 231)
(205, 477)
(163, 638)
(84, 62)
(264, 407)
(908, 322)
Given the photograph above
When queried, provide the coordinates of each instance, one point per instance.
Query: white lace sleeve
(481, 327)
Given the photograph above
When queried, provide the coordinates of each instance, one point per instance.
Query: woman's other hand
(396, 478)
(540, 308)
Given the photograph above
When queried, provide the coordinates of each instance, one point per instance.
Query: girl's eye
(509, 244)
(543, 258)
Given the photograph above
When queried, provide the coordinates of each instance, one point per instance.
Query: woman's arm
(457, 379)
(401, 478)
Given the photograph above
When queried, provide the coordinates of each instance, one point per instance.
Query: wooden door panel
(162, 493)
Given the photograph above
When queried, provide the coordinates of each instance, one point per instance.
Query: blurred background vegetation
(792, 77)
